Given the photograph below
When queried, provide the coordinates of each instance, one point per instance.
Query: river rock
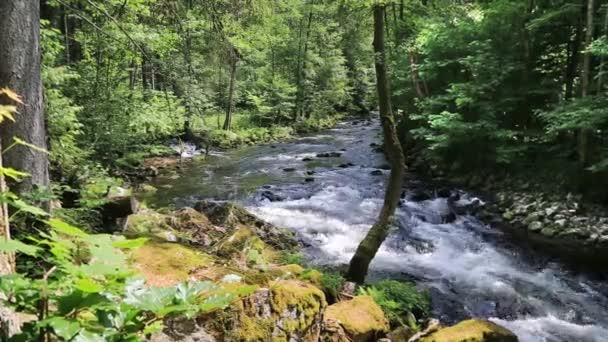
(180, 329)
(329, 155)
(307, 159)
(376, 173)
(346, 165)
(289, 169)
(149, 223)
(196, 227)
(444, 193)
(232, 216)
(271, 196)
(535, 226)
(309, 179)
(361, 318)
(472, 330)
(418, 195)
(289, 310)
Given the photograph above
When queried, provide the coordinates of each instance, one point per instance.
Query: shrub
(398, 300)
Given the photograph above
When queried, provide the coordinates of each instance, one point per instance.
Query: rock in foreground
(361, 318)
(472, 330)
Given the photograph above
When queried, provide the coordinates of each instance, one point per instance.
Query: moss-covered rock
(196, 227)
(149, 223)
(289, 310)
(362, 319)
(472, 330)
(166, 264)
(232, 216)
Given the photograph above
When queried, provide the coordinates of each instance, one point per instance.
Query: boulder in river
(376, 173)
(271, 196)
(289, 169)
(418, 195)
(329, 155)
(472, 330)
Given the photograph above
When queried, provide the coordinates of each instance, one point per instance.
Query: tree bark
(20, 71)
(300, 95)
(368, 248)
(231, 89)
(583, 148)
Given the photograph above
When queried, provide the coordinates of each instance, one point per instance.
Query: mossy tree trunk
(368, 248)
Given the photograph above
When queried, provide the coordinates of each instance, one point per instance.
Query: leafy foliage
(399, 300)
(88, 292)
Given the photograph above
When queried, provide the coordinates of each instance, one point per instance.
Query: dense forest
(303, 170)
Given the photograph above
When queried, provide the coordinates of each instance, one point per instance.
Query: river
(470, 268)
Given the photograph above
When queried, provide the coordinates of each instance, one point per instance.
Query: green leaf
(154, 327)
(12, 173)
(87, 336)
(130, 244)
(28, 208)
(66, 329)
(65, 228)
(12, 246)
(32, 146)
(78, 300)
(87, 285)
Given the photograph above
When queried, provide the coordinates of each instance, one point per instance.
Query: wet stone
(329, 155)
(376, 173)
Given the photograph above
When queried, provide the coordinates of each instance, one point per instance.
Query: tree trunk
(600, 76)
(231, 89)
(20, 71)
(368, 248)
(300, 95)
(583, 148)
(572, 62)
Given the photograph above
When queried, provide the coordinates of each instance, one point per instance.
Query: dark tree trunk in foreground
(368, 248)
(20, 72)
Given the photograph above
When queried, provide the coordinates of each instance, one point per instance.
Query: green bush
(87, 291)
(399, 300)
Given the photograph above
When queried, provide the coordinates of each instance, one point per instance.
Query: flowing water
(470, 269)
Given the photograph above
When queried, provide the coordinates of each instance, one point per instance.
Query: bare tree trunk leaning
(20, 71)
(368, 248)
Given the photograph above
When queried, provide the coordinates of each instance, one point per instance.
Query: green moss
(472, 331)
(164, 263)
(360, 316)
(292, 269)
(306, 298)
(148, 223)
(247, 246)
(147, 188)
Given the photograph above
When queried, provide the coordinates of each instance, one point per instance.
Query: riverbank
(223, 243)
(534, 213)
(328, 189)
